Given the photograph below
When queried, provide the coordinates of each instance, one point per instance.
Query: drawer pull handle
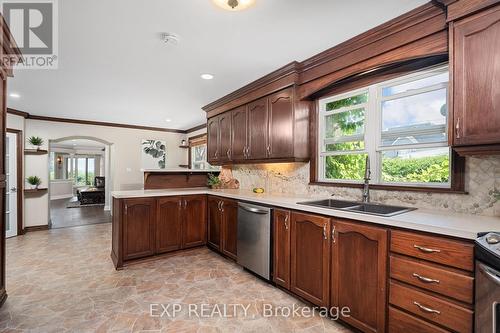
(426, 309)
(426, 249)
(425, 279)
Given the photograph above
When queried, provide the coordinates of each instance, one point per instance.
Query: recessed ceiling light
(168, 120)
(14, 95)
(234, 5)
(207, 76)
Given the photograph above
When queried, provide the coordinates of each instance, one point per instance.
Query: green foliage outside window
(433, 169)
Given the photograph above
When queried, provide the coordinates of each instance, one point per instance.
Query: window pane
(346, 167)
(418, 84)
(90, 171)
(349, 101)
(415, 119)
(416, 165)
(80, 177)
(351, 145)
(345, 124)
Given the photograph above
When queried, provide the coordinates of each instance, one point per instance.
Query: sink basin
(359, 207)
(330, 203)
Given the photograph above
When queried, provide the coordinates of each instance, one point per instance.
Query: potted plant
(35, 141)
(34, 181)
(213, 181)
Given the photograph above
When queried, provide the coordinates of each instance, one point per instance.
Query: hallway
(63, 280)
(63, 217)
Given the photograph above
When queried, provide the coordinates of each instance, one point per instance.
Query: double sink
(359, 207)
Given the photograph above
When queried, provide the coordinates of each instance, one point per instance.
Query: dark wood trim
(196, 128)
(478, 150)
(18, 112)
(35, 190)
(35, 152)
(102, 123)
(197, 136)
(392, 187)
(20, 178)
(36, 228)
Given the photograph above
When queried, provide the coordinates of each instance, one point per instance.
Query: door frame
(20, 182)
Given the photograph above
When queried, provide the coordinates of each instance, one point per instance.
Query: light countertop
(439, 222)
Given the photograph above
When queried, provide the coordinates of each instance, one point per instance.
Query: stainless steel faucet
(366, 186)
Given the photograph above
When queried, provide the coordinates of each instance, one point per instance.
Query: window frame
(373, 126)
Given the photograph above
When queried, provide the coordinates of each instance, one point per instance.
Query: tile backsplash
(482, 182)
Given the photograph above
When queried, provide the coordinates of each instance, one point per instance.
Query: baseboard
(36, 228)
(58, 197)
(3, 296)
(107, 208)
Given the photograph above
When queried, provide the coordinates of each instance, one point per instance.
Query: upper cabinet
(476, 78)
(274, 128)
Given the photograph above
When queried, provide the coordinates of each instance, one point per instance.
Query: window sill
(394, 187)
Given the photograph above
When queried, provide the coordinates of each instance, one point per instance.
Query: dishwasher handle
(253, 209)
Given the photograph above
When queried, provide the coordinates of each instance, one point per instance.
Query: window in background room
(400, 124)
(198, 153)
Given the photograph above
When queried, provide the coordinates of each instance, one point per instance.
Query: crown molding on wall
(26, 115)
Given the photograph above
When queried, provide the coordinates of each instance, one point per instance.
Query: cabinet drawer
(431, 308)
(437, 249)
(439, 280)
(400, 321)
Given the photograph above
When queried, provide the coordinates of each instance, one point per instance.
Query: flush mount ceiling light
(170, 38)
(168, 120)
(14, 95)
(207, 76)
(234, 5)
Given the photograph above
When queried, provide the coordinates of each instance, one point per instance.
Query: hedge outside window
(401, 124)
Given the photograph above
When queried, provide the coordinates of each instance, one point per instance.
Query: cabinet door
(213, 139)
(169, 224)
(224, 149)
(281, 123)
(359, 274)
(239, 133)
(214, 223)
(230, 228)
(194, 227)
(258, 131)
(139, 221)
(476, 79)
(281, 248)
(310, 259)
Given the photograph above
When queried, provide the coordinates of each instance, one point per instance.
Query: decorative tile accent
(482, 181)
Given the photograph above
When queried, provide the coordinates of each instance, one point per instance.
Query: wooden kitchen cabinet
(214, 223)
(258, 131)
(475, 55)
(359, 274)
(194, 226)
(229, 210)
(213, 140)
(310, 257)
(239, 124)
(169, 224)
(223, 225)
(281, 123)
(281, 248)
(272, 128)
(139, 221)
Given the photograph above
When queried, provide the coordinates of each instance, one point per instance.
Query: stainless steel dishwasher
(254, 238)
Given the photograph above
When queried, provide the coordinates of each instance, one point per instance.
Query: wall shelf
(35, 190)
(185, 147)
(35, 152)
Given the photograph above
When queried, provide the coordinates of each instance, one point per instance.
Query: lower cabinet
(139, 221)
(359, 274)
(281, 248)
(194, 227)
(310, 257)
(223, 225)
(169, 224)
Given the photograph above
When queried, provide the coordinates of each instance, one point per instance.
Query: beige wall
(125, 154)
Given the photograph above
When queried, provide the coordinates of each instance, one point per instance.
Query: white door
(11, 185)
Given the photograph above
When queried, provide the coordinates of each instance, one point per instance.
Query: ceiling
(113, 66)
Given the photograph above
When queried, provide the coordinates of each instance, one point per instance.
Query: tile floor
(62, 280)
(63, 217)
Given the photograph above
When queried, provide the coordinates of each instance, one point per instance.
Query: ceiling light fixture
(207, 76)
(14, 95)
(234, 5)
(168, 120)
(170, 38)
